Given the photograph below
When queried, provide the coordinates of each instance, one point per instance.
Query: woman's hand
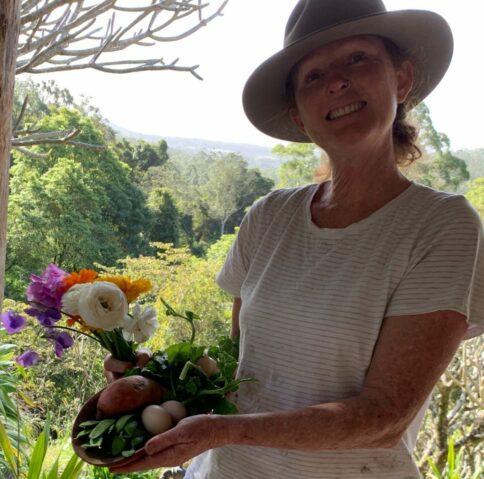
(115, 369)
(189, 438)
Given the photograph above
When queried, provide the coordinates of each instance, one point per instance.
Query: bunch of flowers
(103, 308)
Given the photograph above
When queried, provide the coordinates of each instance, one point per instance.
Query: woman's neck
(362, 181)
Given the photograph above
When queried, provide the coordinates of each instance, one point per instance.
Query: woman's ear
(405, 79)
(297, 119)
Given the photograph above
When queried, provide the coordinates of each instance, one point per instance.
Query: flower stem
(76, 331)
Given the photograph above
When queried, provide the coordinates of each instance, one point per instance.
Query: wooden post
(9, 31)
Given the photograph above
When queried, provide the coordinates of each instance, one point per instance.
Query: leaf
(433, 466)
(86, 432)
(89, 423)
(53, 470)
(192, 386)
(224, 406)
(179, 353)
(131, 427)
(118, 445)
(137, 441)
(26, 399)
(73, 468)
(95, 442)
(101, 428)
(121, 422)
(128, 453)
(38, 454)
(7, 447)
(451, 456)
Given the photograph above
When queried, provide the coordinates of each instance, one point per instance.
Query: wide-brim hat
(314, 23)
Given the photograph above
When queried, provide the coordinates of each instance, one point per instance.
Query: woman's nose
(337, 83)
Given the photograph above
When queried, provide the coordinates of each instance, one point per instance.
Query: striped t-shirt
(313, 301)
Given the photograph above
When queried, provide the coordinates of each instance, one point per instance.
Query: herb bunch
(115, 437)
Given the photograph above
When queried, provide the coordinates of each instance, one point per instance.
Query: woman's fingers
(143, 355)
(115, 369)
(111, 377)
(115, 365)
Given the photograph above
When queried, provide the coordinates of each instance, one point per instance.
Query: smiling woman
(404, 133)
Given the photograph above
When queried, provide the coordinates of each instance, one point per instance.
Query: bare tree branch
(64, 35)
(21, 114)
(54, 138)
(32, 154)
(51, 28)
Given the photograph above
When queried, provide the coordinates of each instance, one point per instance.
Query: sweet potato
(128, 394)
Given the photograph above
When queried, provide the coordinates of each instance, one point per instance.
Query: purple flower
(13, 322)
(46, 316)
(27, 359)
(47, 289)
(61, 340)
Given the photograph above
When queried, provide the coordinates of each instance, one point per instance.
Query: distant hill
(261, 156)
(257, 156)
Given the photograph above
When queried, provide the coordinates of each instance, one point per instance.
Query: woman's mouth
(346, 110)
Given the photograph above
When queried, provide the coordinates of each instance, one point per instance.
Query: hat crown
(310, 16)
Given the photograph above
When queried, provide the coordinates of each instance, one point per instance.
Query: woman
(351, 296)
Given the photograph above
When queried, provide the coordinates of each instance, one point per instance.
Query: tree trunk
(9, 31)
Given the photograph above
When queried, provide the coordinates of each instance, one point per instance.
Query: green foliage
(9, 414)
(474, 160)
(114, 437)
(81, 203)
(300, 166)
(166, 218)
(141, 156)
(103, 473)
(176, 369)
(440, 168)
(475, 194)
(452, 468)
(211, 191)
(61, 385)
(35, 467)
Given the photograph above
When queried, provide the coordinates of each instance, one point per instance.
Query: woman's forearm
(353, 423)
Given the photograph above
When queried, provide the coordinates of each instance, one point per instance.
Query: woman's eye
(310, 77)
(357, 58)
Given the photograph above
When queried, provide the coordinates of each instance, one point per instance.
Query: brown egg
(176, 409)
(156, 419)
(209, 365)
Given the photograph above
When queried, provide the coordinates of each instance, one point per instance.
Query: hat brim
(426, 34)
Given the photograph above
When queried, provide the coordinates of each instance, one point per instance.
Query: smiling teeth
(346, 110)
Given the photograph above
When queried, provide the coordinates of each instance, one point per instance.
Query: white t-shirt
(313, 301)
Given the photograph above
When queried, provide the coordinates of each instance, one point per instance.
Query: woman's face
(347, 94)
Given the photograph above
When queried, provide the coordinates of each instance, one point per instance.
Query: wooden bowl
(94, 456)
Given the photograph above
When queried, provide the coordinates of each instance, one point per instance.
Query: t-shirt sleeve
(234, 271)
(446, 268)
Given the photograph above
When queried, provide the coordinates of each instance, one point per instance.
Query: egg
(176, 409)
(156, 419)
(209, 365)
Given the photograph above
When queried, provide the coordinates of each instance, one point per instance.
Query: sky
(229, 48)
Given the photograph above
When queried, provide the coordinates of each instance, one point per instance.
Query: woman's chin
(343, 139)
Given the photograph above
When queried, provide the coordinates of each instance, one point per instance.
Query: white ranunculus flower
(142, 325)
(70, 300)
(103, 305)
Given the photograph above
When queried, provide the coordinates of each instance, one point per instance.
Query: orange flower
(84, 276)
(132, 289)
(71, 322)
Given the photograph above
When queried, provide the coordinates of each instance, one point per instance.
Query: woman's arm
(411, 354)
(235, 318)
